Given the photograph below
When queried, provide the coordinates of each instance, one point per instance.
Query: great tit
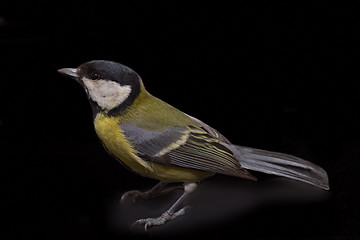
(156, 140)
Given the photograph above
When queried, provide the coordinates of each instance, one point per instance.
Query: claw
(165, 217)
(170, 214)
(148, 222)
(135, 194)
(139, 221)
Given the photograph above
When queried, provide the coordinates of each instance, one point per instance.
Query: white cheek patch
(107, 94)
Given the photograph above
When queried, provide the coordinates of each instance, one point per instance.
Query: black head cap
(109, 70)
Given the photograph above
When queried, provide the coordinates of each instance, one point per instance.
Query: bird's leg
(154, 192)
(170, 214)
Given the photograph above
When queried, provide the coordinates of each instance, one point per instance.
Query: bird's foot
(165, 217)
(152, 193)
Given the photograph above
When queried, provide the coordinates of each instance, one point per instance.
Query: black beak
(71, 72)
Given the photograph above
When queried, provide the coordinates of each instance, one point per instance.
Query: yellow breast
(109, 131)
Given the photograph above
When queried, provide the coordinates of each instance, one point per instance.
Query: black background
(273, 76)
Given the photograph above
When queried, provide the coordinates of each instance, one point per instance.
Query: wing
(187, 147)
(213, 132)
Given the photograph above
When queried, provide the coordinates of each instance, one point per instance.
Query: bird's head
(110, 86)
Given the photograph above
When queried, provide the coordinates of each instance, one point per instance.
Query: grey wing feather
(186, 147)
(150, 143)
(201, 152)
(213, 132)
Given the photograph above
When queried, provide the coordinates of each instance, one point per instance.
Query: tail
(281, 164)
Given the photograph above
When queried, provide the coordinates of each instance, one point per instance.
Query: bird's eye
(94, 76)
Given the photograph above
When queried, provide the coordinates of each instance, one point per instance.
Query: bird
(156, 140)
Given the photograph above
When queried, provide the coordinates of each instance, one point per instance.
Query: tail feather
(281, 164)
